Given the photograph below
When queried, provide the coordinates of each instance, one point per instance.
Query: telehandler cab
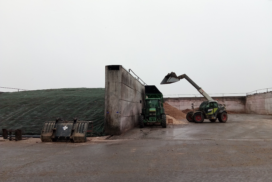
(209, 109)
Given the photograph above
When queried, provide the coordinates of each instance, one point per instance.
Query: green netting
(28, 110)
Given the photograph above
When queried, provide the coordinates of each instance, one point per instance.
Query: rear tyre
(198, 117)
(189, 116)
(212, 120)
(163, 121)
(223, 117)
(141, 122)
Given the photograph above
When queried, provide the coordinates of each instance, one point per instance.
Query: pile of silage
(28, 110)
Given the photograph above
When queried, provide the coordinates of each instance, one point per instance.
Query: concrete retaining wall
(124, 96)
(259, 103)
(234, 104)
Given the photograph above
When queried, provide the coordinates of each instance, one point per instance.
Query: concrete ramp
(124, 96)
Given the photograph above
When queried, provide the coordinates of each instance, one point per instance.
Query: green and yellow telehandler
(209, 109)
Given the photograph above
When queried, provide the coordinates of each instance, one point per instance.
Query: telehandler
(209, 109)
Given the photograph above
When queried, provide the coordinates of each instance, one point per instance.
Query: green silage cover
(28, 110)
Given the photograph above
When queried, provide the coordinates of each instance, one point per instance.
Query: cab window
(203, 105)
(213, 105)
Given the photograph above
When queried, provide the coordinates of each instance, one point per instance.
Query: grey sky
(224, 46)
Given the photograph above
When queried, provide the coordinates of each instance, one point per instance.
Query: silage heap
(28, 110)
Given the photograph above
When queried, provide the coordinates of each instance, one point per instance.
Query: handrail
(256, 91)
(265, 90)
(138, 78)
(211, 94)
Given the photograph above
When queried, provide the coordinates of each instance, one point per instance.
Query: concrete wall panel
(112, 88)
(235, 104)
(129, 108)
(259, 103)
(123, 101)
(125, 126)
(268, 105)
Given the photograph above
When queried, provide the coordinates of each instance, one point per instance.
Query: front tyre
(198, 117)
(223, 117)
(163, 121)
(189, 116)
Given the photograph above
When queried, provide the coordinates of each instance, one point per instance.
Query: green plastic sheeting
(28, 110)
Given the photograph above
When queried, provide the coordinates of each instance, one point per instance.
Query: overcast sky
(225, 46)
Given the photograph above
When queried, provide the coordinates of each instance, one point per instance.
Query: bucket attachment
(48, 130)
(170, 78)
(74, 131)
(80, 131)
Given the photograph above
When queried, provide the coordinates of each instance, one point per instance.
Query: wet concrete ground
(239, 150)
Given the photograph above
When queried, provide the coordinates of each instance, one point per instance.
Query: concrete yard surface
(239, 150)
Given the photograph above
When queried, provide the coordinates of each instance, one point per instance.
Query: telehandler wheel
(189, 116)
(213, 120)
(223, 117)
(198, 117)
(141, 122)
(163, 121)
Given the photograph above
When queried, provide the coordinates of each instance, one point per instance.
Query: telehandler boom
(172, 77)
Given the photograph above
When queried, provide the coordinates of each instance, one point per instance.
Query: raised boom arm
(172, 78)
